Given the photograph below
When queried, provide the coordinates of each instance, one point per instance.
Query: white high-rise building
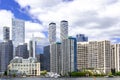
(82, 55)
(104, 54)
(69, 55)
(55, 58)
(18, 32)
(95, 55)
(63, 30)
(115, 57)
(52, 32)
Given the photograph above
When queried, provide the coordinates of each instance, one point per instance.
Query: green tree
(5, 73)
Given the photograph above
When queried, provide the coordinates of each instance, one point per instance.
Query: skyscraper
(69, 55)
(6, 33)
(30, 48)
(115, 57)
(47, 58)
(52, 32)
(6, 54)
(22, 50)
(18, 32)
(63, 29)
(55, 58)
(81, 38)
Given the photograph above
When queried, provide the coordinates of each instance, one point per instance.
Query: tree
(5, 73)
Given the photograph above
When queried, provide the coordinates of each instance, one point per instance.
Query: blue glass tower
(81, 38)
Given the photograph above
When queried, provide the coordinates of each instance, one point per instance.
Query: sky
(97, 19)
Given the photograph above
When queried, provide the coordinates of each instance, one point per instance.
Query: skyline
(93, 18)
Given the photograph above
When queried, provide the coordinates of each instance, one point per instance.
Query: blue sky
(97, 19)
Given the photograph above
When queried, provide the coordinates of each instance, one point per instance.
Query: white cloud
(30, 27)
(95, 18)
(5, 20)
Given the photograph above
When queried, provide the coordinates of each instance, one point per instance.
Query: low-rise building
(30, 66)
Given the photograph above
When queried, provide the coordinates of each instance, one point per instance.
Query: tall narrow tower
(52, 32)
(6, 33)
(63, 30)
(18, 32)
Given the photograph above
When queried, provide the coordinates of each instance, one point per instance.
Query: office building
(52, 32)
(40, 58)
(29, 67)
(55, 58)
(22, 51)
(115, 57)
(30, 48)
(46, 55)
(18, 32)
(69, 55)
(63, 30)
(6, 33)
(6, 54)
(81, 38)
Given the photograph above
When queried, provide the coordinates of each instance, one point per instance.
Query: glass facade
(81, 38)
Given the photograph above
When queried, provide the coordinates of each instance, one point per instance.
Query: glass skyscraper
(18, 32)
(6, 54)
(81, 38)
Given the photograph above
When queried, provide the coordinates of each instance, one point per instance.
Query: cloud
(98, 19)
(30, 27)
(5, 17)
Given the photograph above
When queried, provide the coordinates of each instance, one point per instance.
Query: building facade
(94, 55)
(6, 54)
(63, 30)
(18, 32)
(81, 38)
(104, 54)
(82, 55)
(30, 48)
(52, 32)
(55, 58)
(46, 56)
(115, 57)
(22, 51)
(69, 55)
(22, 66)
(6, 33)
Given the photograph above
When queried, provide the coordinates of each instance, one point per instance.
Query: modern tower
(18, 32)
(6, 33)
(47, 58)
(115, 57)
(55, 58)
(6, 54)
(22, 51)
(69, 55)
(81, 38)
(63, 29)
(52, 32)
(30, 48)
